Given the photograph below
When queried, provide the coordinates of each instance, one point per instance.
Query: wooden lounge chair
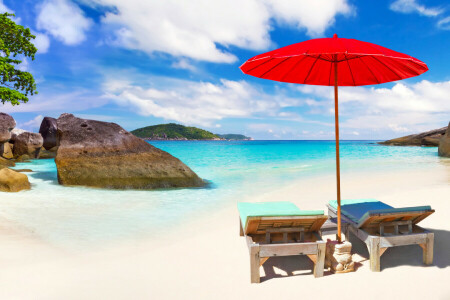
(381, 226)
(281, 229)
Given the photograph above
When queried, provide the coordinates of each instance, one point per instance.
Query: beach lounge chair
(381, 226)
(281, 229)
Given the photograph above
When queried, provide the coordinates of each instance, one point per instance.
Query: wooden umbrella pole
(338, 171)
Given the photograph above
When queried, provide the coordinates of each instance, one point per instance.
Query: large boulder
(428, 138)
(12, 181)
(100, 154)
(46, 154)
(444, 144)
(7, 124)
(48, 130)
(6, 150)
(6, 163)
(28, 143)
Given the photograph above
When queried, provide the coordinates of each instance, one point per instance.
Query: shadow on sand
(411, 255)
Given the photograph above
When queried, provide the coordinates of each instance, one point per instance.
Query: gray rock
(101, 154)
(6, 150)
(28, 143)
(428, 138)
(444, 144)
(7, 124)
(48, 130)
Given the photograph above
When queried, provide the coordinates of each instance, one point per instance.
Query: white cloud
(64, 20)
(205, 29)
(57, 103)
(42, 42)
(184, 64)
(4, 8)
(402, 108)
(444, 23)
(314, 16)
(23, 66)
(412, 6)
(33, 124)
(196, 103)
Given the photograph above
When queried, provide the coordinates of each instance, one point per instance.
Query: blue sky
(139, 63)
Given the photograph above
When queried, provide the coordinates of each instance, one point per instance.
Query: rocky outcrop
(12, 181)
(6, 163)
(7, 124)
(28, 143)
(444, 144)
(48, 130)
(6, 150)
(100, 154)
(428, 138)
(45, 154)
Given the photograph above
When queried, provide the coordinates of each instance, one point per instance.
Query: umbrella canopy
(313, 61)
(334, 62)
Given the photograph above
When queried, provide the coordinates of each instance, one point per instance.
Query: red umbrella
(320, 61)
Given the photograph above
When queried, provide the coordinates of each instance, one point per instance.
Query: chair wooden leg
(428, 249)
(254, 265)
(347, 233)
(374, 251)
(320, 260)
(241, 230)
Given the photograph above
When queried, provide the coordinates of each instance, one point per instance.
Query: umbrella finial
(335, 36)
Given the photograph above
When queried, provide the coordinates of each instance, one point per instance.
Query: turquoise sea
(78, 217)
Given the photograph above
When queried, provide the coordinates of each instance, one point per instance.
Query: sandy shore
(207, 259)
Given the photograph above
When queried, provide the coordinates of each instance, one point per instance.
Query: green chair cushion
(272, 209)
(360, 209)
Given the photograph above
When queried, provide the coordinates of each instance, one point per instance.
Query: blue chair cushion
(360, 209)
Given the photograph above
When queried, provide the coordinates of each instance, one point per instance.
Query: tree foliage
(15, 42)
(173, 131)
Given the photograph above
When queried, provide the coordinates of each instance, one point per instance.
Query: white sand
(207, 259)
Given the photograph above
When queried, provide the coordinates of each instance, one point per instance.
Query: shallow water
(78, 217)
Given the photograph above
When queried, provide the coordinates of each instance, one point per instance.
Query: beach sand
(207, 259)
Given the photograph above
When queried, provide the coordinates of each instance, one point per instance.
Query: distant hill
(231, 136)
(174, 131)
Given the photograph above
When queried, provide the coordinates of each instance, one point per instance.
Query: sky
(140, 63)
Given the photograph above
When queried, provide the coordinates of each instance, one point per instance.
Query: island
(177, 132)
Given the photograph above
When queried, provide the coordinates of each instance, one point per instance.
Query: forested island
(174, 131)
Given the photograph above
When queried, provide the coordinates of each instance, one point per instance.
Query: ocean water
(80, 217)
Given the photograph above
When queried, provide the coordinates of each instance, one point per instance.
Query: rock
(6, 150)
(428, 138)
(444, 144)
(29, 143)
(48, 130)
(23, 170)
(15, 132)
(100, 154)
(7, 124)
(46, 154)
(12, 181)
(23, 158)
(6, 163)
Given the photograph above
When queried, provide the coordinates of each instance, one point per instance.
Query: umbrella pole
(338, 171)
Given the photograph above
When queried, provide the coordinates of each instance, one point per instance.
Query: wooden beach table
(381, 226)
(281, 229)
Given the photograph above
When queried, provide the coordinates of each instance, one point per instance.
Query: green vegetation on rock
(173, 131)
(232, 136)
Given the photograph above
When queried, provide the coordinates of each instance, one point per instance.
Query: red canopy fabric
(311, 62)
